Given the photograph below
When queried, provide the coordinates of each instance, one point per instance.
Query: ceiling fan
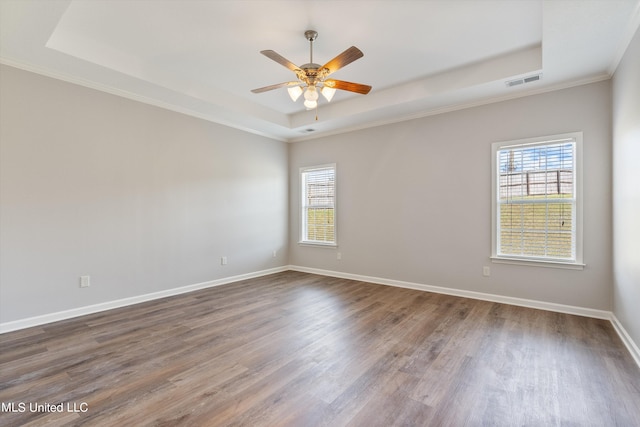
(312, 77)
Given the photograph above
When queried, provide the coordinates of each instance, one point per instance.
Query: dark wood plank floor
(294, 349)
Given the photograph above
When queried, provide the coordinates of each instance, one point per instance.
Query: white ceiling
(201, 57)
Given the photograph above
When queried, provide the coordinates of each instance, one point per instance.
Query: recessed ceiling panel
(203, 57)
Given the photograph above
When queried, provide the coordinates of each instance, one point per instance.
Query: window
(318, 205)
(537, 206)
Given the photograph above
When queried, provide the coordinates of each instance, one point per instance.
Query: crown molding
(457, 107)
(130, 95)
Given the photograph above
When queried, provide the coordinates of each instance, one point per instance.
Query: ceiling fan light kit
(295, 92)
(312, 77)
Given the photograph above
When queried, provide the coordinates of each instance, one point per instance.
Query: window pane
(533, 184)
(537, 230)
(320, 224)
(318, 205)
(536, 171)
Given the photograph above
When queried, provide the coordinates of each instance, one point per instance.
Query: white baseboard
(95, 308)
(549, 306)
(626, 338)
(560, 308)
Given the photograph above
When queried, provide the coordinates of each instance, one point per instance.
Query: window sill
(320, 244)
(538, 263)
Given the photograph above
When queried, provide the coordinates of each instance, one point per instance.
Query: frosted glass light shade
(310, 104)
(295, 92)
(311, 94)
(328, 93)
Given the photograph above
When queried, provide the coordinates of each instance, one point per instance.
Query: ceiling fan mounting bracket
(311, 35)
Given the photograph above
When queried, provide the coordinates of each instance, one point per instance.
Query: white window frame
(577, 262)
(303, 208)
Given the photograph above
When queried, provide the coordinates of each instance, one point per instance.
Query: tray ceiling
(421, 57)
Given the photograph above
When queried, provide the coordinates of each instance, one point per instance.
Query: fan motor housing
(311, 73)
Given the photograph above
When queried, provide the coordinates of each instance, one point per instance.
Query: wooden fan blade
(345, 58)
(276, 86)
(271, 54)
(351, 87)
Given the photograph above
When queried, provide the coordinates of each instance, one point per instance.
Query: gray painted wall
(140, 198)
(626, 190)
(399, 219)
(145, 200)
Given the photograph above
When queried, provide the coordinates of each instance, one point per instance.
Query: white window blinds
(318, 207)
(535, 200)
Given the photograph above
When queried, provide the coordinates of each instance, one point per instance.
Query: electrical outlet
(339, 255)
(85, 281)
(275, 254)
(223, 260)
(486, 271)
